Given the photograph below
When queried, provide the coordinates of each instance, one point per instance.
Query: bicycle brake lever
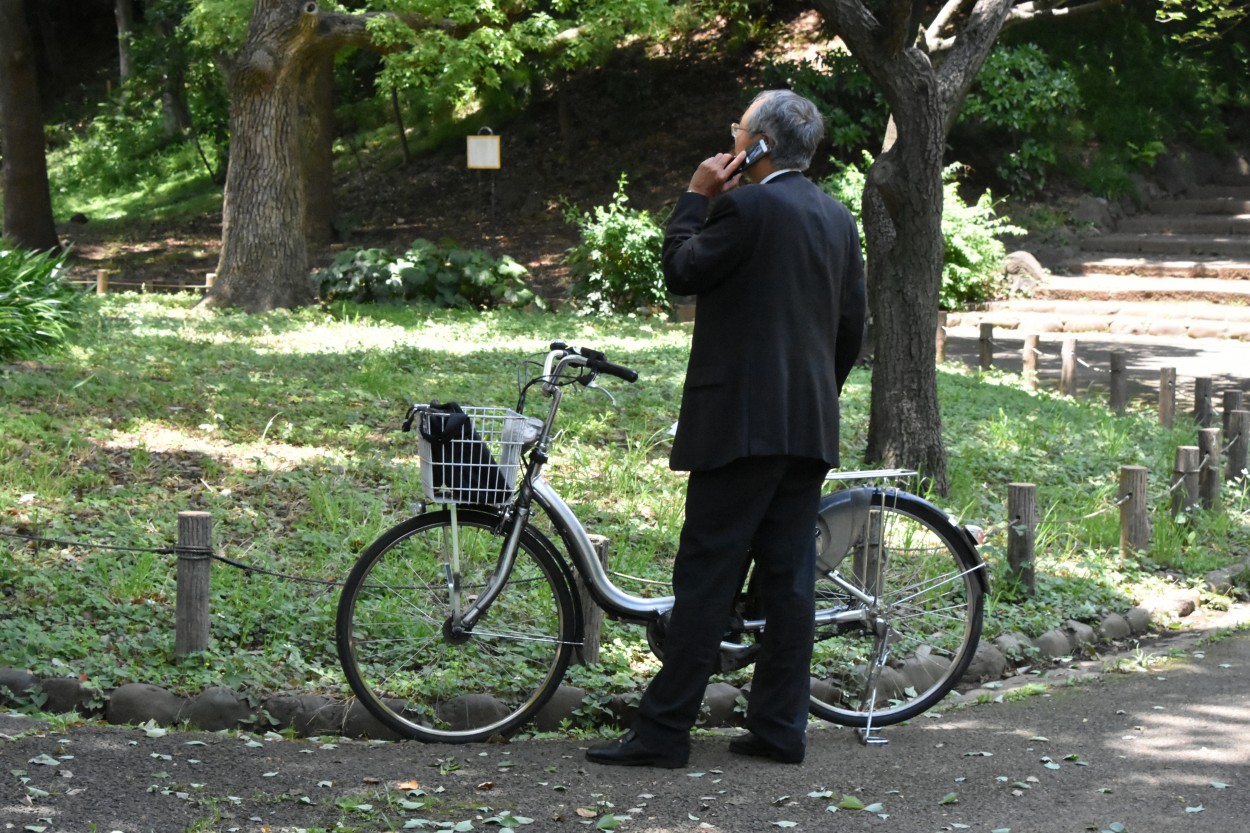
(596, 386)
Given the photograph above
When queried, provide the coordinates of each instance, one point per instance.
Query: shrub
(446, 275)
(972, 268)
(616, 267)
(1022, 96)
(37, 307)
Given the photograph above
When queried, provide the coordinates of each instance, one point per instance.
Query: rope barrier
(247, 568)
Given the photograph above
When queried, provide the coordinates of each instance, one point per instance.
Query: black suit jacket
(779, 319)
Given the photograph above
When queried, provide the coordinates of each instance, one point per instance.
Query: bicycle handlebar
(593, 359)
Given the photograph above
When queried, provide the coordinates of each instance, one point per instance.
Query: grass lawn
(285, 427)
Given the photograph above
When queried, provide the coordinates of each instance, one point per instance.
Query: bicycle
(458, 624)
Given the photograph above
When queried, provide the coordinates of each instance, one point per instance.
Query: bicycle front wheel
(917, 594)
(418, 675)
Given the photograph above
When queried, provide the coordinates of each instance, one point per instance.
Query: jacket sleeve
(700, 247)
(853, 311)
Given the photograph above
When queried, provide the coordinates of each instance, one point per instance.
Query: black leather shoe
(629, 750)
(753, 747)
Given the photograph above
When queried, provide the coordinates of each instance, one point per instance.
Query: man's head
(793, 125)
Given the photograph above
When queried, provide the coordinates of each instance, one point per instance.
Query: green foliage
(617, 265)
(1021, 96)
(283, 426)
(38, 308)
(1202, 21)
(972, 267)
(446, 275)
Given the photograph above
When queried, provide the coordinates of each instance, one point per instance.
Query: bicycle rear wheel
(401, 656)
(922, 621)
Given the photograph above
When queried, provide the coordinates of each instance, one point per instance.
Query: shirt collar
(776, 174)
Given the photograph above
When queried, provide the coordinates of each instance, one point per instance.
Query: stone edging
(1002, 662)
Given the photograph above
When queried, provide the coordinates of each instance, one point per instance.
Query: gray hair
(793, 123)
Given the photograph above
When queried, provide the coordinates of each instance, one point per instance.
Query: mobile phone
(755, 152)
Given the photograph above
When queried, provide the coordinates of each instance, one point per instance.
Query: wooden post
(1134, 511)
(210, 278)
(1067, 372)
(1185, 479)
(1204, 414)
(101, 281)
(1232, 402)
(1029, 361)
(941, 337)
(1167, 396)
(590, 608)
(1209, 467)
(1022, 516)
(987, 346)
(1238, 444)
(1119, 382)
(191, 616)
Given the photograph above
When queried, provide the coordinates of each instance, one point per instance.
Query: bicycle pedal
(870, 737)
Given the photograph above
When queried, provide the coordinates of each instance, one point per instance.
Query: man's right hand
(712, 177)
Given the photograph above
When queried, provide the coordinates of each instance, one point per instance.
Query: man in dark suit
(779, 279)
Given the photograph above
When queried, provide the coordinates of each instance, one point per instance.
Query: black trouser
(762, 508)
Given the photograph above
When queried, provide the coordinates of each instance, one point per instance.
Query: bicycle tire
(931, 605)
(412, 673)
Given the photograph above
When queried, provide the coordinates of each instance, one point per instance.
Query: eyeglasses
(735, 129)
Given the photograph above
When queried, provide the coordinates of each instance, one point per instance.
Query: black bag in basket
(462, 464)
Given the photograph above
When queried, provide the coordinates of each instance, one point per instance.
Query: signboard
(483, 152)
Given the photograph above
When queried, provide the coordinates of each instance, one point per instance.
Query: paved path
(1167, 749)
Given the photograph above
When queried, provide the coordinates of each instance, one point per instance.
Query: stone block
(989, 663)
(560, 707)
(1138, 619)
(719, 703)
(1053, 644)
(215, 709)
(1115, 627)
(16, 686)
(136, 703)
(1080, 633)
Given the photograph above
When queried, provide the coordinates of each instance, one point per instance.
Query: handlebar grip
(596, 362)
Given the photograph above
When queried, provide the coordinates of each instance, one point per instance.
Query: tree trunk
(317, 155)
(124, 12)
(264, 255)
(275, 88)
(903, 233)
(27, 201)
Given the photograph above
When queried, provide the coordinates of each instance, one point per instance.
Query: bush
(446, 275)
(972, 268)
(37, 307)
(1022, 97)
(617, 265)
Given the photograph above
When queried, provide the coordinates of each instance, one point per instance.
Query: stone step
(1234, 295)
(1180, 245)
(1082, 320)
(1210, 205)
(1110, 263)
(1238, 189)
(1212, 224)
(1115, 307)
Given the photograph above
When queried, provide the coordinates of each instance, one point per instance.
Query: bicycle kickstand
(870, 734)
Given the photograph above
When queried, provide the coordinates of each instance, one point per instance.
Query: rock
(1080, 633)
(359, 722)
(1015, 645)
(989, 663)
(559, 708)
(1180, 603)
(136, 703)
(470, 711)
(1023, 271)
(215, 709)
(310, 715)
(923, 668)
(16, 686)
(1095, 210)
(1053, 644)
(719, 703)
(1174, 174)
(1138, 619)
(623, 707)
(1231, 580)
(66, 695)
(1115, 627)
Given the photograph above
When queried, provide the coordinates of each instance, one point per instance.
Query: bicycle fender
(839, 524)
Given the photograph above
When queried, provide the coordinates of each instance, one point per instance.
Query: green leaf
(950, 798)
(608, 822)
(850, 802)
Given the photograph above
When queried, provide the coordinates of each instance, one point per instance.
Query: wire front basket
(471, 455)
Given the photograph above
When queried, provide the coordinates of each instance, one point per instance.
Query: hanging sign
(483, 151)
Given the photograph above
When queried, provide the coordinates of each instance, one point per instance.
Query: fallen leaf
(408, 785)
(486, 785)
(950, 798)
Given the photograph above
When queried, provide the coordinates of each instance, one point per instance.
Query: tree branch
(1028, 12)
(939, 24)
